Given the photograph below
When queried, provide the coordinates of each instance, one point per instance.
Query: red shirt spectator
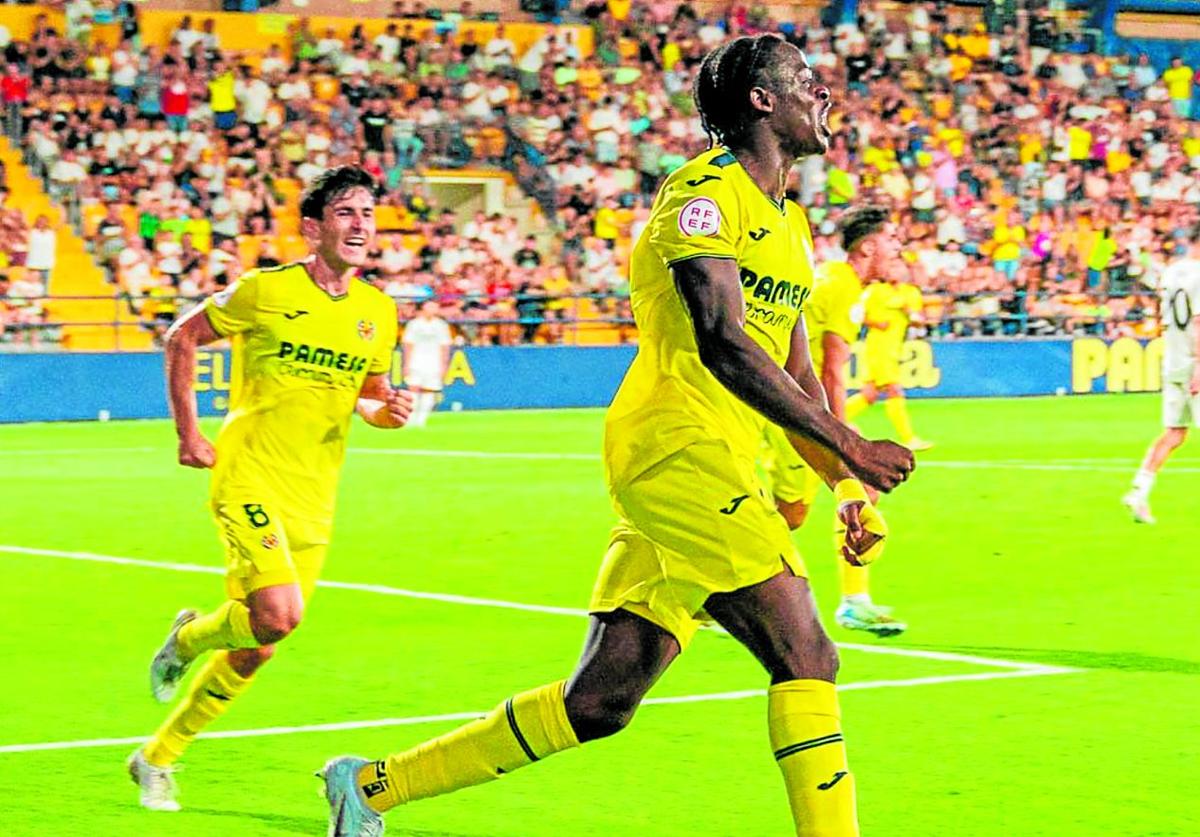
(14, 86)
(175, 98)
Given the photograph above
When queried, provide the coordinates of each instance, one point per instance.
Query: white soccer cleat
(349, 814)
(1139, 507)
(872, 618)
(157, 783)
(916, 443)
(167, 668)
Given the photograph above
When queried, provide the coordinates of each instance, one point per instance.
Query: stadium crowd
(1037, 185)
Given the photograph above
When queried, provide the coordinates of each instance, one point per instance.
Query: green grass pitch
(1009, 543)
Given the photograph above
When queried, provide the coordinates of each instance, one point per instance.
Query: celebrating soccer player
(872, 245)
(718, 279)
(889, 304)
(313, 345)
(1179, 308)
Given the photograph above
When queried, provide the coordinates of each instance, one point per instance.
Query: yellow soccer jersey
(708, 207)
(299, 357)
(835, 294)
(894, 306)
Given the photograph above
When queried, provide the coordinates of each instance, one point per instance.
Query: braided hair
(726, 76)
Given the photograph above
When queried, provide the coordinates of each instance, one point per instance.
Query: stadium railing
(602, 318)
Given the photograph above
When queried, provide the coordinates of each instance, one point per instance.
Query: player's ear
(310, 228)
(762, 99)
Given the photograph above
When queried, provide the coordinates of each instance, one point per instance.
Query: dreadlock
(725, 78)
(860, 223)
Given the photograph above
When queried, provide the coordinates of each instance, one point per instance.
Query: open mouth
(823, 122)
(355, 241)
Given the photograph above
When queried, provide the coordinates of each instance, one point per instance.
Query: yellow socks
(226, 627)
(897, 413)
(215, 687)
(855, 580)
(806, 736)
(520, 731)
(856, 405)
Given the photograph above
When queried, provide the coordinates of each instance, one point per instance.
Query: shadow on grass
(1109, 660)
(310, 825)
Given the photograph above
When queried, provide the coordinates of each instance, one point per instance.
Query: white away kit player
(1179, 309)
(427, 343)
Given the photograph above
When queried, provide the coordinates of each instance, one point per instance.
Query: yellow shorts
(264, 548)
(695, 524)
(882, 365)
(790, 478)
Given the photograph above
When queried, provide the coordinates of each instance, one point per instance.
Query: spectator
(42, 250)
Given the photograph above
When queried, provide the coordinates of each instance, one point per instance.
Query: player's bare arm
(828, 465)
(381, 405)
(712, 292)
(833, 372)
(190, 332)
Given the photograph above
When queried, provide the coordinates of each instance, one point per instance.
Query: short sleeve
(382, 360)
(696, 217)
(235, 309)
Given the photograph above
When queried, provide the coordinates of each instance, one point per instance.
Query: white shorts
(425, 377)
(1179, 407)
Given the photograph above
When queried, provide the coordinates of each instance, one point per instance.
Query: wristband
(849, 491)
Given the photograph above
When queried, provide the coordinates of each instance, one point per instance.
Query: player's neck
(332, 279)
(766, 163)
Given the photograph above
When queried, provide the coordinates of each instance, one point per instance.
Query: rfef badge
(700, 216)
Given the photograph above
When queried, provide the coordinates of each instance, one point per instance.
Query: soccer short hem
(695, 524)
(1179, 407)
(264, 548)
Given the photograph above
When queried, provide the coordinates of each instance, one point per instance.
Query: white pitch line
(450, 598)
(43, 746)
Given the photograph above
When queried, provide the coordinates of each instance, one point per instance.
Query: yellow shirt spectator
(953, 139)
(960, 66)
(1079, 143)
(605, 226)
(619, 9)
(1007, 242)
(1031, 148)
(671, 55)
(1179, 81)
(220, 93)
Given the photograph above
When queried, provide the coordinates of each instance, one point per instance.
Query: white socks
(423, 404)
(1143, 481)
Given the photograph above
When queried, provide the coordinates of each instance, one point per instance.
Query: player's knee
(599, 716)
(272, 625)
(814, 659)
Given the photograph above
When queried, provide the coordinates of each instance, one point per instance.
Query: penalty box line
(380, 723)
(472, 601)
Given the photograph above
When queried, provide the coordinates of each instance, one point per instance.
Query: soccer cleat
(1139, 507)
(916, 443)
(167, 668)
(873, 618)
(157, 783)
(349, 814)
